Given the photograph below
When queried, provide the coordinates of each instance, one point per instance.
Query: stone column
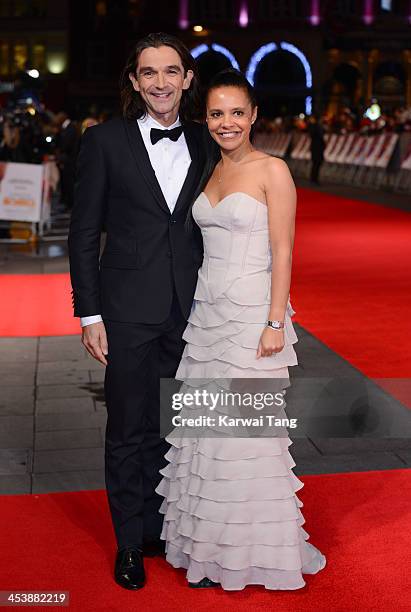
(407, 63)
(373, 57)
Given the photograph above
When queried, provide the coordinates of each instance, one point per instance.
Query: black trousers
(315, 170)
(138, 356)
(67, 180)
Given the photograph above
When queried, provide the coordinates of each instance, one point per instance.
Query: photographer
(14, 146)
(68, 138)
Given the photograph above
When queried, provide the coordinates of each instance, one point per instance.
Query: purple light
(315, 17)
(368, 16)
(183, 15)
(243, 16)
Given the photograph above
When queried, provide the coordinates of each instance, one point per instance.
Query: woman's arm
(281, 203)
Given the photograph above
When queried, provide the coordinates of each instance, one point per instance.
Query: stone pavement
(52, 418)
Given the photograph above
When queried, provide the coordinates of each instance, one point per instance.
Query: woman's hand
(271, 341)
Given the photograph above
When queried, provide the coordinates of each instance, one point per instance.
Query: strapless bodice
(233, 293)
(233, 230)
(237, 255)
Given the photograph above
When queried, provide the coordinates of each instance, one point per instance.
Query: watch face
(275, 324)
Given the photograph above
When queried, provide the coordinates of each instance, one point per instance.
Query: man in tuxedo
(317, 148)
(137, 177)
(67, 149)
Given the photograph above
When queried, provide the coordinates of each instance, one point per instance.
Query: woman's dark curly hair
(133, 105)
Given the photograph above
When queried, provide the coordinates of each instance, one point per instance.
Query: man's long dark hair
(133, 105)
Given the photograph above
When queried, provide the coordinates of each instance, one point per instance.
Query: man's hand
(94, 338)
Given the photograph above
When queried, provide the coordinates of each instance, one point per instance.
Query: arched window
(282, 71)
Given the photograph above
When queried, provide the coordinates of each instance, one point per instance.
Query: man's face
(160, 80)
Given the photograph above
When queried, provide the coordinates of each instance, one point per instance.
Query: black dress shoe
(205, 583)
(129, 568)
(154, 548)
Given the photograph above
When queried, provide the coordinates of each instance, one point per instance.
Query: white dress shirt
(170, 161)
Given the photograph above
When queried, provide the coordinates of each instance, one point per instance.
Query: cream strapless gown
(231, 512)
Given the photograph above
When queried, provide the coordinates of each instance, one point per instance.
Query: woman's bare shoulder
(264, 162)
(276, 165)
(278, 182)
(272, 170)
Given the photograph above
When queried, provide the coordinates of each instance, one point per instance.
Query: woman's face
(230, 116)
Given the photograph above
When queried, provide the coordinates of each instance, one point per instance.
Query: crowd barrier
(403, 180)
(381, 160)
(25, 193)
(274, 144)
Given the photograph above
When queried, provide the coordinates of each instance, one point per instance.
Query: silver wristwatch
(275, 324)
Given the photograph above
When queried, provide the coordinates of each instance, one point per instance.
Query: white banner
(345, 150)
(306, 151)
(339, 145)
(386, 151)
(273, 144)
(330, 146)
(374, 150)
(283, 145)
(359, 150)
(357, 143)
(21, 187)
(363, 151)
(303, 140)
(50, 182)
(406, 162)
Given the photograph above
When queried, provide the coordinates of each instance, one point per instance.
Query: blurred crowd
(30, 133)
(367, 121)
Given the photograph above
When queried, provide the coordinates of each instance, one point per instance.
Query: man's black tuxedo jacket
(148, 250)
(67, 144)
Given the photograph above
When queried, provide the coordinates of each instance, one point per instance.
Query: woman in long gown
(231, 513)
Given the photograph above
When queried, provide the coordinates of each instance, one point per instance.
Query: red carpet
(63, 541)
(351, 285)
(36, 305)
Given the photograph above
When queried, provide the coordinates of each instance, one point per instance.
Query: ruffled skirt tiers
(231, 512)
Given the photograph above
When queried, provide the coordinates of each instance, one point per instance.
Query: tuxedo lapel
(192, 177)
(142, 160)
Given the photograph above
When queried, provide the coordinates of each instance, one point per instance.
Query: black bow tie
(174, 134)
